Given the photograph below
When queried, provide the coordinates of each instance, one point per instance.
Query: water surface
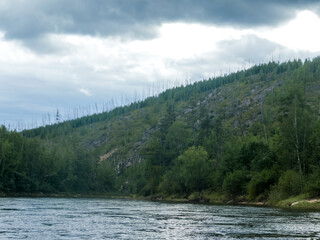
(68, 218)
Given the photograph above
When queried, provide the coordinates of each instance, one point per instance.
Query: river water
(73, 218)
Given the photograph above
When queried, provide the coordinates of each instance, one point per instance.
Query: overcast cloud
(66, 54)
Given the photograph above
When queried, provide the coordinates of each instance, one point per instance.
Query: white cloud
(13, 53)
(85, 91)
(301, 33)
(182, 40)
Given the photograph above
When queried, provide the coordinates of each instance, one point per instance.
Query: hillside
(253, 133)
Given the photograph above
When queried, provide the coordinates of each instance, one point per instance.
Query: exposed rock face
(107, 155)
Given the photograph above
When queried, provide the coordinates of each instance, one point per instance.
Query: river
(81, 218)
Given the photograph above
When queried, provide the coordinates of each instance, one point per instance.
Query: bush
(234, 183)
(256, 156)
(313, 184)
(195, 168)
(274, 195)
(173, 182)
(290, 184)
(260, 183)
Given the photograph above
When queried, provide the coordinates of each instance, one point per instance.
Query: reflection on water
(59, 218)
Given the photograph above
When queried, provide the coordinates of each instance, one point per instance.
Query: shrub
(260, 183)
(234, 183)
(290, 184)
(313, 184)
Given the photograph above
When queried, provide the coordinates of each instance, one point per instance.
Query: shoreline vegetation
(301, 202)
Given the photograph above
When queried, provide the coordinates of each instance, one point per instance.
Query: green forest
(253, 134)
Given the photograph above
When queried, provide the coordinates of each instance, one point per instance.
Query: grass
(298, 202)
(304, 205)
(288, 202)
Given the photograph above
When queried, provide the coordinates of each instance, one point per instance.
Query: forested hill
(253, 133)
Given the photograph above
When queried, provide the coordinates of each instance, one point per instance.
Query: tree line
(253, 133)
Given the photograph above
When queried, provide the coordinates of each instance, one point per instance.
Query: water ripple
(46, 218)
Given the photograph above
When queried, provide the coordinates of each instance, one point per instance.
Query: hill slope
(253, 133)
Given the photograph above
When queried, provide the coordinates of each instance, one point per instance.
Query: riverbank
(65, 195)
(213, 199)
(301, 202)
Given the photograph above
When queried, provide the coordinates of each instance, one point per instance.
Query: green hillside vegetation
(253, 134)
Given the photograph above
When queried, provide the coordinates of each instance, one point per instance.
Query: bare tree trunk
(297, 138)
(264, 124)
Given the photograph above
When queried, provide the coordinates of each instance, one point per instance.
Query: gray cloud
(255, 50)
(234, 55)
(37, 85)
(29, 21)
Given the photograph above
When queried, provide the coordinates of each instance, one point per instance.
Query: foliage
(296, 127)
(260, 184)
(190, 172)
(254, 133)
(313, 183)
(26, 165)
(290, 184)
(235, 182)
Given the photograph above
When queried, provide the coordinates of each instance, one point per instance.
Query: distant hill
(253, 133)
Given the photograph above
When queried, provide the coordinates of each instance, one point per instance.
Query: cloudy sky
(80, 56)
